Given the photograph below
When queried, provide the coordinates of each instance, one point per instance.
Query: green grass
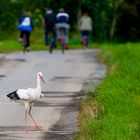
(112, 111)
(10, 43)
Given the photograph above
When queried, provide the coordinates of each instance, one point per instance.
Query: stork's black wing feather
(13, 95)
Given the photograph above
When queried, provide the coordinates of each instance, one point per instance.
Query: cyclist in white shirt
(85, 26)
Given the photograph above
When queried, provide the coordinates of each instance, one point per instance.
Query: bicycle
(62, 39)
(25, 42)
(51, 42)
(85, 40)
(62, 32)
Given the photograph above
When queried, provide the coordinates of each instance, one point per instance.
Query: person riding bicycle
(85, 25)
(62, 19)
(25, 26)
(49, 22)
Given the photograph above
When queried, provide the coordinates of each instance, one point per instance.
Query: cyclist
(49, 21)
(62, 19)
(25, 26)
(85, 26)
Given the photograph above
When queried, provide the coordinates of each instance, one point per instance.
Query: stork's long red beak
(42, 79)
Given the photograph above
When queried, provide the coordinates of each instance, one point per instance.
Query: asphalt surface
(67, 78)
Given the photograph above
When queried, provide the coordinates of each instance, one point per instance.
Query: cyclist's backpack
(62, 17)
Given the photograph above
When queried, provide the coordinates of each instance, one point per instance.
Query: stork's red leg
(36, 125)
(26, 129)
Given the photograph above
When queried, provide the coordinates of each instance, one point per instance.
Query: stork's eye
(40, 74)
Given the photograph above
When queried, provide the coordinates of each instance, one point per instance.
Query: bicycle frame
(24, 41)
(51, 42)
(85, 41)
(62, 37)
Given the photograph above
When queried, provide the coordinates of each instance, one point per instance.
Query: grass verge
(112, 111)
(11, 43)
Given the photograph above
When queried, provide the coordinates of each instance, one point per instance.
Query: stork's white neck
(38, 83)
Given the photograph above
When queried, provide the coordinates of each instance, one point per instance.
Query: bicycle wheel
(24, 42)
(51, 47)
(63, 39)
(62, 48)
(51, 42)
(84, 41)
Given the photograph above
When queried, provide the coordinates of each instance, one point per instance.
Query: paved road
(66, 76)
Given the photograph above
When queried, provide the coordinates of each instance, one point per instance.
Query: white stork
(28, 96)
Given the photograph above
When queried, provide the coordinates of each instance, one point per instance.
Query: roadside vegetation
(11, 43)
(112, 111)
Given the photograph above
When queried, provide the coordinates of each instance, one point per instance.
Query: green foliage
(102, 12)
(128, 21)
(9, 45)
(114, 112)
(37, 18)
(9, 14)
(10, 21)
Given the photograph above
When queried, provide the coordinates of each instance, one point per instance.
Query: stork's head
(40, 75)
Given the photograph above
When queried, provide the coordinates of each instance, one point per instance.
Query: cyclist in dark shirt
(49, 21)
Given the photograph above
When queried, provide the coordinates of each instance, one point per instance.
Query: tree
(128, 28)
(117, 4)
(8, 14)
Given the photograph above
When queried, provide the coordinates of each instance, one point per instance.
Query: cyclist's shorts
(85, 32)
(63, 26)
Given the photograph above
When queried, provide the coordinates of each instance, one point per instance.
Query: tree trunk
(114, 21)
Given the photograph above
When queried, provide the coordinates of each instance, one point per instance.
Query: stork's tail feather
(13, 96)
